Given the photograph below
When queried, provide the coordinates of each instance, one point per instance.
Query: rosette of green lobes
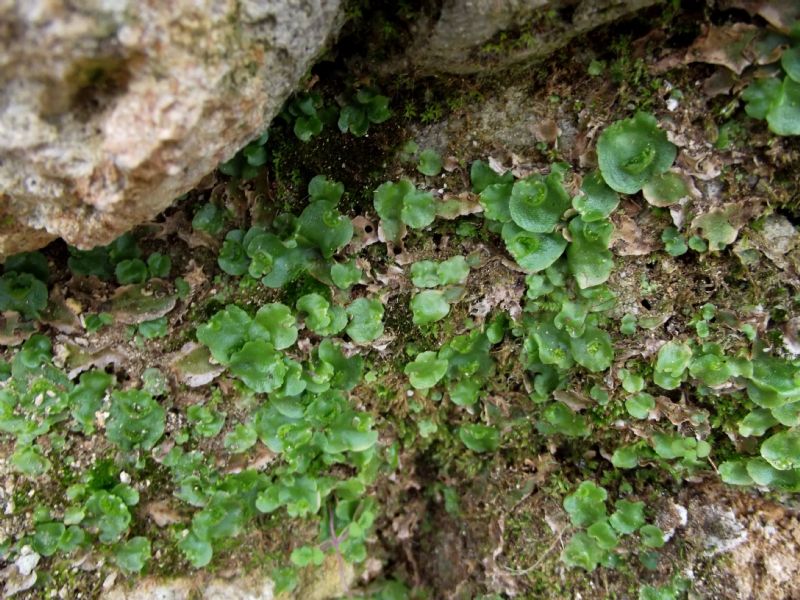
(276, 262)
(533, 251)
(324, 227)
(593, 350)
(225, 333)
(596, 201)
(232, 256)
(400, 203)
(259, 366)
(368, 107)
(482, 176)
(774, 382)
(320, 316)
(135, 421)
(537, 203)
(783, 115)
(246, 162)
(673, 360)
(322, 188)
(366, 320)
(307, 122)
(589, 259)
(23, 293)
(276, 324)
(632, 151)
(426, 370)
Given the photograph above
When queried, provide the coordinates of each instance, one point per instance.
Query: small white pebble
(683, 513)
(124, 477)
(410, 393)
(672, 104)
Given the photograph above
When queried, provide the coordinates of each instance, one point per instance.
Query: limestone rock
(329, 580)
(461, 39)
(110, 109)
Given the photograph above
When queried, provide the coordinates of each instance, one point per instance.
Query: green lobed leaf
(537, 203)
(597, 201)
(429, 306)
(259, 366)
(430, 163)
(628, 516)
(479, 438)
(366, 320)
(782, 450)
(586, 505)
(632, 151)
(783, 115)
(588, 257)
(592, 350)
(482, 176)
(322, 225)
(274, 323)
(23, 293)
(133, 554)
(225, 332)
(533, 251)
(135, 420)
(582, 551)
(426, 370)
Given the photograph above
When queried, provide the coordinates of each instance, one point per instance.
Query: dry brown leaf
(13, 330)
(682, 412)
(629, 239)
(450, 163)
(62, 314)
(453, 206)
(195, 276)
(136, 303)
(546, 130)
(171, 224)
(192, 365)
(162, 514)
(781, 14)
(195, 238)
(575, 401)
(719, 84)
(364, 234)
(726, 45)
(76, 359)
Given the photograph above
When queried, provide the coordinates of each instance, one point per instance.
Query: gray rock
(456, 42)
(110, 109)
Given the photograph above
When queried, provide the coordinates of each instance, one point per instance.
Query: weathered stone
(329, 580)
(110, 109)
(462, 38)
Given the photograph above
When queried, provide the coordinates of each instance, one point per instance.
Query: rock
(111, 109)
(20, 575)
(319, 583)
(461, 40)
(244, 588)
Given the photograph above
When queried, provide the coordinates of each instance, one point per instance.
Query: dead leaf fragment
(453, 206)
(629, 239)
(162, 514)
(192, 365)
(726, 45)
(133, 304)
(364, 234)
(546, 130)
(781, 14)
